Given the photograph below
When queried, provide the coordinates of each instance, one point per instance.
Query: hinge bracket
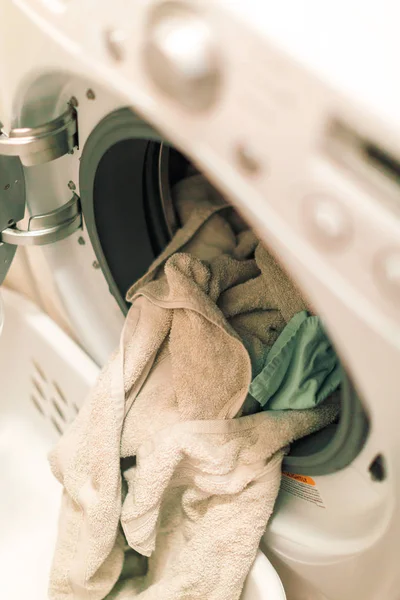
(46, 228)
(37, 145)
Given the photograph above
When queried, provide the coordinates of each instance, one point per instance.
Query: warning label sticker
(302, 487)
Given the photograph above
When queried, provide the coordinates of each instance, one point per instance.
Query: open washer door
(12, 205)
(31, 146)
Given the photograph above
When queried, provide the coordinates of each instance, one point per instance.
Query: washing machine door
(12, 206)
(31, 146)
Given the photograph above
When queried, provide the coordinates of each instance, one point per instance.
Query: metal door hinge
(37, 145)
(46, 228)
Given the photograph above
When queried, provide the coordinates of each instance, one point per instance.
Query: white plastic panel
(44, 380)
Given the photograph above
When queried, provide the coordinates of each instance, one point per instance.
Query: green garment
(301, 368)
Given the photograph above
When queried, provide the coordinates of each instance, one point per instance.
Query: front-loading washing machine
(104, 108)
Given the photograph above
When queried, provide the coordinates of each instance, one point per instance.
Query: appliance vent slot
(50, 400)
(58, 409)
(37, 404)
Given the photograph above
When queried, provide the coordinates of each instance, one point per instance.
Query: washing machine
(291, 110)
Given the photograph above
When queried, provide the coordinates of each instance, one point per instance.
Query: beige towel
(199, 499)
(184, 356)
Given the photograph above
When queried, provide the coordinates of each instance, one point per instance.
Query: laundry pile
(171, 456)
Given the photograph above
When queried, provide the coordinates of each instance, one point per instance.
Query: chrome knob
(181, 57)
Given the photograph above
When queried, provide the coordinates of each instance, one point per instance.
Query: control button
(328, 221)
(247, 160)
(181, 57)
(388, 272)
(114, 41)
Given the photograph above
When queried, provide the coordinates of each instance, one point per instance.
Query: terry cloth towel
(199, 499)
(252, 291)
(302, 368)
(183, 356)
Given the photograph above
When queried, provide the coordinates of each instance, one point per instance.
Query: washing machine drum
(126, 174)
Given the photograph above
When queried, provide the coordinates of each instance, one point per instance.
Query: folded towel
(198, 327)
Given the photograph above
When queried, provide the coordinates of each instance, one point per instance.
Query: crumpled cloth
(301, 369)
(198, 327)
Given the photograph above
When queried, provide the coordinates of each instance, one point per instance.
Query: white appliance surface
(294, 70)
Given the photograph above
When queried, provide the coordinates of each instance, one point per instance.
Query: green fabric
(301, 368)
